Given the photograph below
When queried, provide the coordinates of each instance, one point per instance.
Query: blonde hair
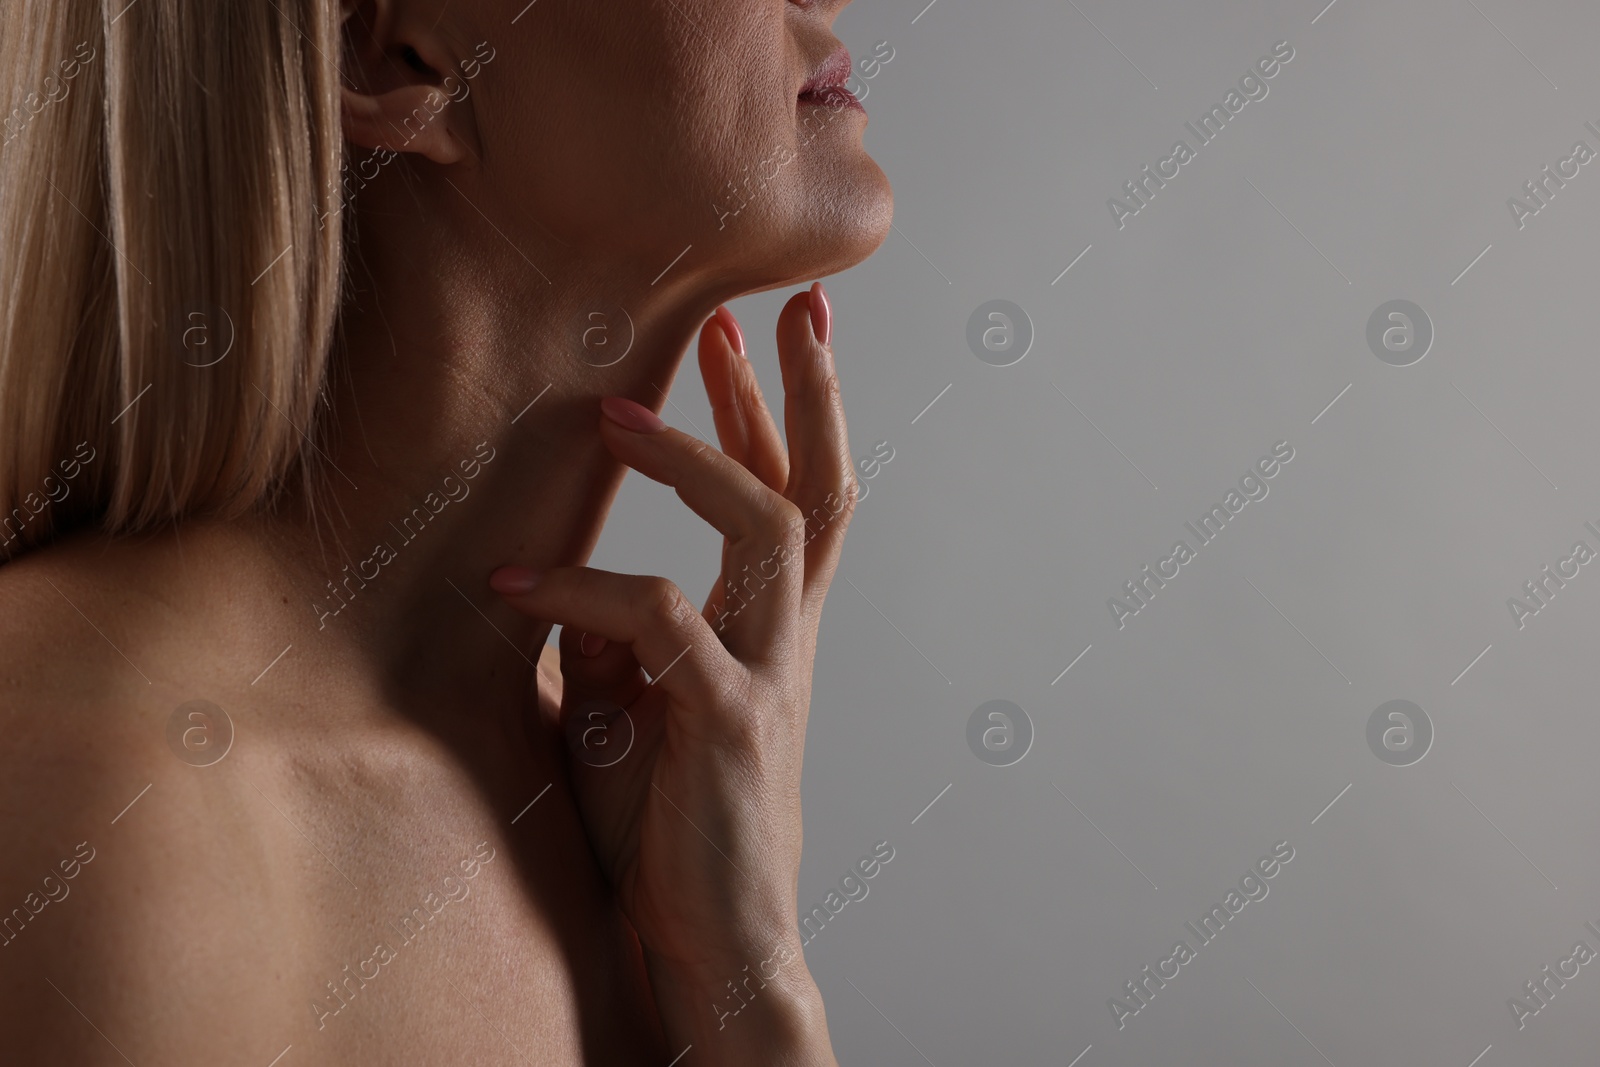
(168, 167)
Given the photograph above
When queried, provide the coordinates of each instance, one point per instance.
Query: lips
(827, 85)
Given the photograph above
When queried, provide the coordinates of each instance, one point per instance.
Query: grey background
(1209, 328)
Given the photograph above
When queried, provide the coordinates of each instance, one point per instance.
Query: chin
(866, 226)
(831, 230)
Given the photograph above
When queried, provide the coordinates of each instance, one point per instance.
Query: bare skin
(384, 755)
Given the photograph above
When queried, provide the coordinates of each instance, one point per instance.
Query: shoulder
(66, 681)
(94, 802)
(57, 684)
(102, 665)
(56, 604)
(78, 714)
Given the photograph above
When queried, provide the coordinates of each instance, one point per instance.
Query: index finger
(744, 425)
(762, 554)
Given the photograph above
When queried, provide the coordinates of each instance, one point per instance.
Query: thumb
(598, 677)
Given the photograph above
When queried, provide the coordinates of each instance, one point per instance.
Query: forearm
(764, 1010)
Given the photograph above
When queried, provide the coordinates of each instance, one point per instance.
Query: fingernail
(631, 415)
(821, 315)
(591, 644)
(514, 580)
(730, 328)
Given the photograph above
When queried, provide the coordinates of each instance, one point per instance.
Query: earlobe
(411, 118)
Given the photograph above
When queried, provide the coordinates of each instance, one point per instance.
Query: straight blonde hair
(170, 257)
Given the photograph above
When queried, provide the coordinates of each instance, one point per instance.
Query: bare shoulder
(66, 683)
(104, 860)
(58, 688)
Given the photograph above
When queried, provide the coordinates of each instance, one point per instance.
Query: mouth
(826, 87)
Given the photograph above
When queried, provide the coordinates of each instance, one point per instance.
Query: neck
(465, 436)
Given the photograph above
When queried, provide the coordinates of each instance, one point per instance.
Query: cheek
(612, 132)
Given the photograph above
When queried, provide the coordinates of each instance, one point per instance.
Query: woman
(328, 335)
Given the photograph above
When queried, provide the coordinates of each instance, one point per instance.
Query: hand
(698, 825)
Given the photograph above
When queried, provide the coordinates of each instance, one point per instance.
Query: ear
(414, 119)
(396, 98)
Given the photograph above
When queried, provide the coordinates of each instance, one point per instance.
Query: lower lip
(837, 98)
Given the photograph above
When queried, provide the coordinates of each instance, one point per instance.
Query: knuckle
(697, 451)
(749, 392)
(830, 513)
(750, 723)
(832, 391)
(742, 715)
(848, 500)
(827, 392)
(788, 522)
(583, 581)
(664, 603)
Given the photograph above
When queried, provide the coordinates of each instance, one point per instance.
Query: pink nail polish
(821, 315)
(591, 645)
(512, 581)
(730, 328)
(631, 415)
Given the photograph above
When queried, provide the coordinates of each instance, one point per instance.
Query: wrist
(760, 1006)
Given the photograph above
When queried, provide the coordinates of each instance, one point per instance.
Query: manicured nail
(591, 644)
(821, 315)
(514, 580)
(730, 329)
(631, 415)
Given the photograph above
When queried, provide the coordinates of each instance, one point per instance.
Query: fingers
(821, 474)
(745, 427)
(594, 668)
(781, 549)
(764, 555)
(649, 617)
